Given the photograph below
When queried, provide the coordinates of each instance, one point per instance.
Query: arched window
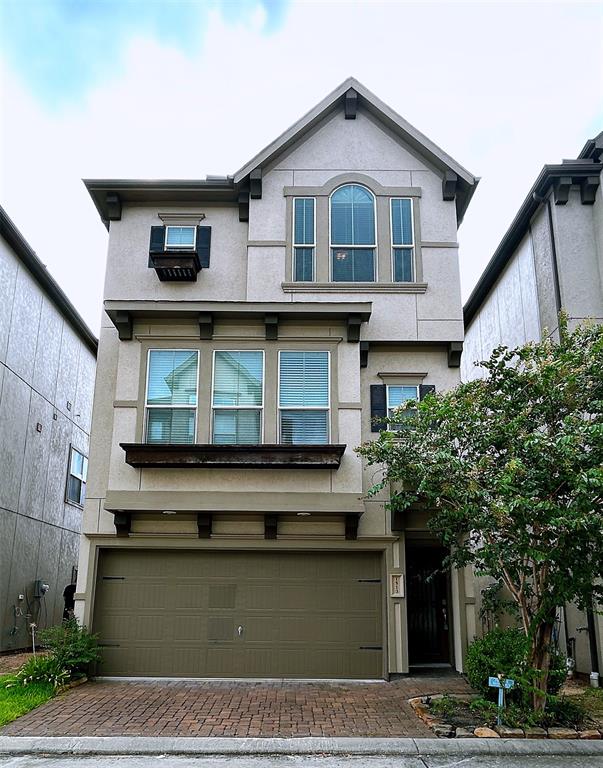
(353, 240)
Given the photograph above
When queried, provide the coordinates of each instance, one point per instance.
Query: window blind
(238, 381)
(352, 216)
(180, 237)
(172, 377)
(402, 222)
(304, 397)
(304, 221)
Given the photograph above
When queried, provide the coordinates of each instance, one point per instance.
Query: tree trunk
(540, 661)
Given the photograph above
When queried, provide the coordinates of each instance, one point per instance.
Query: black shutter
(378, 407)
(157, 240)
(203, 244)
(426, 389)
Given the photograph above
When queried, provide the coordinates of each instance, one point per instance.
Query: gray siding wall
(47, 378)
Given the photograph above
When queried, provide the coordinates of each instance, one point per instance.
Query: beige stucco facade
(405, 340)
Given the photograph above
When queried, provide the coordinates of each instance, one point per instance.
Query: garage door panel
(303, 614)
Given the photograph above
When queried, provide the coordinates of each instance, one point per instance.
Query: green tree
(510, 466)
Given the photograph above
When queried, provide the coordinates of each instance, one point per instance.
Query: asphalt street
(304, 761)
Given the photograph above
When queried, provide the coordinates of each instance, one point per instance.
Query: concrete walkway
(237, 709)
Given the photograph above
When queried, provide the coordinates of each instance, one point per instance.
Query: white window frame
(81, 478)
(304, 245)
(406, 245)
(303, 407)
(180, 247)
(354, 247)
(183, 406)
(237, 407)
(389, 408)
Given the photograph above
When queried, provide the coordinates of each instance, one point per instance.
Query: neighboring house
(47, 364)
(255, 325)
(551, 258)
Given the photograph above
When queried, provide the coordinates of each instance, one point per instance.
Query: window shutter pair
(157, 244)
(379, 404)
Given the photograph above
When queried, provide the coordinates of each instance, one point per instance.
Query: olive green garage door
(175, 613)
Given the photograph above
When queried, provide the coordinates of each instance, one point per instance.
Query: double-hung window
(76, 479)
(180, 238)
(403, 246)
(303, 397)
(353, 238)
(238, 397)
(171, 398)
(397, 396)
(304, 238)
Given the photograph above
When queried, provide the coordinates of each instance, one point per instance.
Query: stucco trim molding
(354, 287)
(240, 502)
(351, 178)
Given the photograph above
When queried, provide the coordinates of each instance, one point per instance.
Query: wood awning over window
(266, 456)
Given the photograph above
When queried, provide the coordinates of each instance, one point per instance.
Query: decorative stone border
(445, 730)
(72, 684)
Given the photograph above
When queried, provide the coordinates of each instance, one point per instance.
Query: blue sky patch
(62, 47)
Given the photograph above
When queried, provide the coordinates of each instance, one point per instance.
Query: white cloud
(494, 85)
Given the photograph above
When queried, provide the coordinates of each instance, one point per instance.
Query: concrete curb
(137, 745)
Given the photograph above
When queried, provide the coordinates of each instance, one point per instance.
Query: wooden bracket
(123, 322)
(255, 184)
(588, 189)
(206, 326)
(455, 350)
(270, 526)
(354, 323)
(123, 523)
(244, 205)
(204, 523)
(351, 527)
(113, 203)
(449, 184)
(364, 352)
(561, 190)
(351, 104)
(271, 326)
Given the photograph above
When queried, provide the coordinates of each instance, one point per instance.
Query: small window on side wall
(180, 238)
(304, 238)
(403, 245)
(75, 492)
(397, 397)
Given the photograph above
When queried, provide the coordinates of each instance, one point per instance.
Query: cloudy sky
(185, 88)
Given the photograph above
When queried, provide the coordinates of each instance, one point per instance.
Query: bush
(71, 645)
(42, 669)
(505, 651)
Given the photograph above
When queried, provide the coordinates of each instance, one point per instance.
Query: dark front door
(427, 605)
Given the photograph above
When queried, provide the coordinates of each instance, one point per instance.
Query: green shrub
(71, 645)
(445, 706)
(42, 669)
(505, 651)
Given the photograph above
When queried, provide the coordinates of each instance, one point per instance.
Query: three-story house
(259, 327)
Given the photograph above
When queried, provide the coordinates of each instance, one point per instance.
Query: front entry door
(427, 605)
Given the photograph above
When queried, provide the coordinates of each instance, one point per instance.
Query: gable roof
(25, 253)
(397, 124)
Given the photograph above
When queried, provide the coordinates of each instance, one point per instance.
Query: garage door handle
(369, 581)
(240, 631)
(108, 645)
(371, 648)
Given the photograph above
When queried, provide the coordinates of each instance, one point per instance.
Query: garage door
(239, 614)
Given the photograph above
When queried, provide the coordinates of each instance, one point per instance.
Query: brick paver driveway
(283, 709)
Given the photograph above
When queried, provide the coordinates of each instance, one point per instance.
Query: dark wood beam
(561, 190)
(270, 526)
(455, 350)
(271, 326)
(351, 527)
(255, 184)
(364, 352)
(204, 524)
(123, 523)
(206, 326)
(588, 189)
(449, 185)
(351, 104)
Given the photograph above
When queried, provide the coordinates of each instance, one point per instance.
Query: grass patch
(592, 701)
(20, 699)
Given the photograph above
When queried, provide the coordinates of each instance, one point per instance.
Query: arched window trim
(351, 245)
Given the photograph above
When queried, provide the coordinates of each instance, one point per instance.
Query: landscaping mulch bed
(458, 720)
(11, 662)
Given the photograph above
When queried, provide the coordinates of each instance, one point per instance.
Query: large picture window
(402, 232)
(238, 397)
(353, 238)
(304, 238)
(171, 398)
(303, 397)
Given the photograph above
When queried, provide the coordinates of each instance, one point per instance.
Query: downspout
(554, 257)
